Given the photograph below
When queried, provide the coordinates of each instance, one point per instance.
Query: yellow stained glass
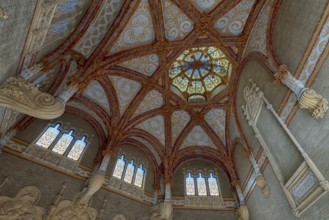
(200, 70)
(213, 185)
(189, 185)
(48, 136)
(63, 143)
(201, 185)
(139, 176)
(129, 172)
(119, 167)
(77, 149)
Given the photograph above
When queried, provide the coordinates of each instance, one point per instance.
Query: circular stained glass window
(199, 71)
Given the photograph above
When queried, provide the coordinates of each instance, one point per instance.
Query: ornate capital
(3, 14)
(260, 181)
(30, 72)
(307, 98)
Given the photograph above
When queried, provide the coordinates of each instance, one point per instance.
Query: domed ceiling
(161, 74)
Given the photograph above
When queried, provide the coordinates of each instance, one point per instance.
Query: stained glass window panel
(119, 167)
(201, 184)
(213, 185)
(63, 143)
(48, 136)
(189, 185)
(139, 176)
(129, 172)
(77, 149)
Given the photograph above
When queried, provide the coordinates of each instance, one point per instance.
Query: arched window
(63, 143)
(77, 149)
(129, 172)
(139, 176)
(213, 185)
(190, 185)
(49, 136)
(201, 185)
(119, 167)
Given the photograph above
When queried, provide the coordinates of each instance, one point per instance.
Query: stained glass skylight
(199, 71)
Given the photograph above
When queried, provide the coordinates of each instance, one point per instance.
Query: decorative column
(260, 180)
(307, 98)
(67, 92)
(163, 210)
(95, 182)
(7, 137)
(242, 212)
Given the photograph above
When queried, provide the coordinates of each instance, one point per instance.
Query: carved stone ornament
(94, 184)
(22, 96)
(242, 213)
(3, 14)
(163, 211)
(307, 98)
(22, 206)
(260, 181)
(67, 210)
(253, 96)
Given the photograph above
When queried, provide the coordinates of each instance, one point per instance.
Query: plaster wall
(182, 214)
(13, 34)
(242, 163)
(294, 26)
(49, 182)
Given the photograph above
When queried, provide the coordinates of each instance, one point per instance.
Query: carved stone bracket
(22, 96)
(163, 211)
(242, 213)
(261, 182)
(307, 98)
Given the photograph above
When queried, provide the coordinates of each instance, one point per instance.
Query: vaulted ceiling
(125, 48)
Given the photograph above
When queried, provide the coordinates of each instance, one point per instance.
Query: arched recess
(284, 151)
(140, 154)
(241, 162)
(293, 29)
(205, 166)
(80, 125)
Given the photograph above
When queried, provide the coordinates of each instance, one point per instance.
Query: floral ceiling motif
(139, 30)
(198, 137)
(216, 119)
(97, 30)
(152, 100)
(96, 92)
(179, 120)
(154, 126)
(205, 5)
(145, 65)
(233, 22)
(126, 90)
(177, 24)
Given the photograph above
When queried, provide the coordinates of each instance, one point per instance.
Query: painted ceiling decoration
(156, 78)
(179, 120)
(96, 92)
(198, 137)
(233, 22)
(199, 71)
(139, 30)
(97, 30)
(126, 90)
(154, 126)
(216, 119)
(177, 24)
(152, 100)
(145, 65)
(205, 5)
